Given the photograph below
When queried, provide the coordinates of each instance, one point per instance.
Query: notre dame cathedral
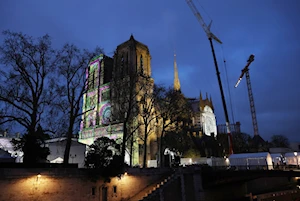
(97, 104)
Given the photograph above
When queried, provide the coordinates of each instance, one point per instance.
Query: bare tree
(126, 87)
(173, 108)
(132, 138)
(148, 115)
(25, 87)
(26, 83)
(72, 67)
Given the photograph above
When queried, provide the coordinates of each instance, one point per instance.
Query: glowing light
(125, 174)
(238, 82)
(38, 177)
(295, 153)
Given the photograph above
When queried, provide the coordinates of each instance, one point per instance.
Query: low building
(57, 148)
(7, 146)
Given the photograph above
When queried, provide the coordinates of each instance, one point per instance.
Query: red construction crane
(250, 94)
(211, 36)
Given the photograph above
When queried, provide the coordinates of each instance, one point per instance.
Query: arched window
(141, 64)
(90, 79)
(127, 63)
(122, 65)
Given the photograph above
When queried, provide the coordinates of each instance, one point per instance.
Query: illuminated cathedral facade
(98, 103)
(98, 106)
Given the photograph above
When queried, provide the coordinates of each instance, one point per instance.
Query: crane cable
(225, 66)
(228, 86)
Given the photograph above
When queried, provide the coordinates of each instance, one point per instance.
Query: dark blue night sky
(269, 29)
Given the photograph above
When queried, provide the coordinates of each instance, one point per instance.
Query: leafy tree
(180, 141)
(242, 143)
(72, 64)
(33, 146)
(191, 153)
(280, 141)
(104, 154)
(223, 146)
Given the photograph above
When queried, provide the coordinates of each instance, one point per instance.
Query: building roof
(258, 140)
(274, 155)
(195, 105)
(5, 144)
(291, 154)
(198, 104)
(133, 42)
(60, 140)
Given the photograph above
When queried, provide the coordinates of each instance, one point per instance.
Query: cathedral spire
(176, 78)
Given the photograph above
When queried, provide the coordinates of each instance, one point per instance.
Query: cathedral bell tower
(132, 60)
(132, 56)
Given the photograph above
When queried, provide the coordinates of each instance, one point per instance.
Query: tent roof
(250, 155)
(292, 154)
(276, 155)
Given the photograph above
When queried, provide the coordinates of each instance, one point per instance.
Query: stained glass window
(105, 95)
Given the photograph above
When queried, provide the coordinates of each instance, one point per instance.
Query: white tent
(292, 158)
(258, 160)
(277, 159)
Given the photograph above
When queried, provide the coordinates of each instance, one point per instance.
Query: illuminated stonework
(203, 115)
(97, 102)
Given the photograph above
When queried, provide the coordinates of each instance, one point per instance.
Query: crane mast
(211, 36)
(250, 94)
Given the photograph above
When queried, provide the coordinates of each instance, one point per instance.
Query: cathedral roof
(195, 105)
(199, 104)
(258, 140)
(207, 101)
(133, 42)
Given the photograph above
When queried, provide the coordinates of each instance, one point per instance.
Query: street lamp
(295, 153)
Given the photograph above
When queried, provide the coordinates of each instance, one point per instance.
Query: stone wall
(72, 184)
(50, 184)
